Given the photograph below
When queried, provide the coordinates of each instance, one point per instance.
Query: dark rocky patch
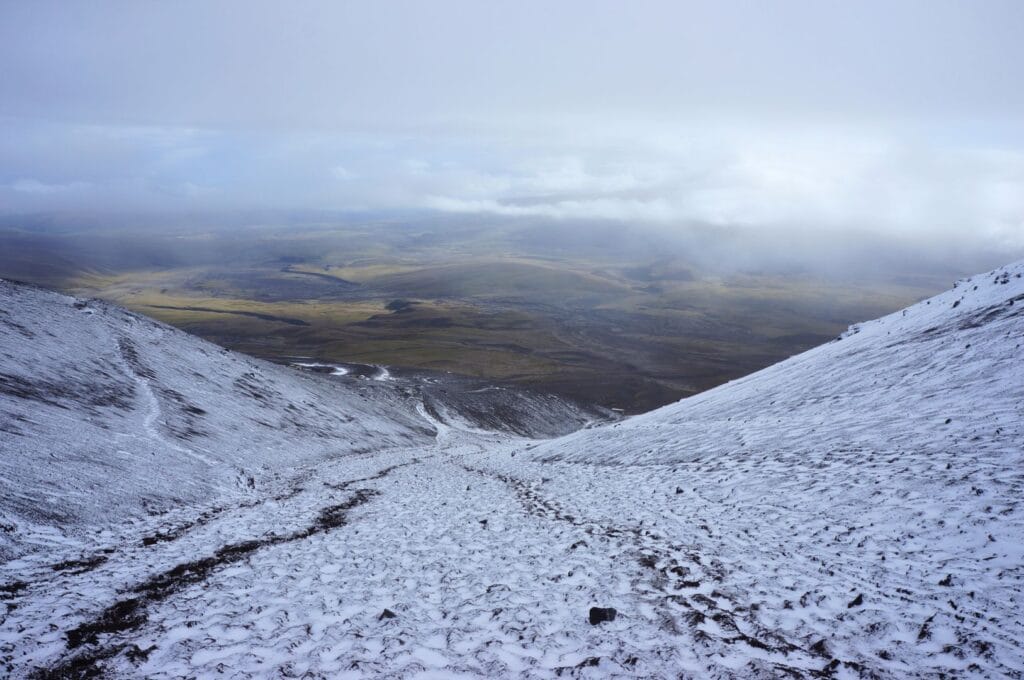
(88, 394)
(340, 486)
(131, 612)
(253, 386)
(590, 662)
(80, 566)
(9, 590)
(6, 320)
(130, 354)
(925, 631)
(184, 420)
(180, 530)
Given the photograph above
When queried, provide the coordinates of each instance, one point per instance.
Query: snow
(80, 380)
(820, 517)
(875, 466)
(334, 368)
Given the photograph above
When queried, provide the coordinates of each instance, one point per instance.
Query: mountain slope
(854, 511)
(105, 414)
(895, 380)
(865, 495)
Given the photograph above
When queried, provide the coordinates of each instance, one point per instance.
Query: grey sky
(885, 116)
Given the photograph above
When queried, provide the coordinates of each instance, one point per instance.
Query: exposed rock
(602, 614)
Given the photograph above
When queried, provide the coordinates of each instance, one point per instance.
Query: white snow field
(854, 511)
(105, 413)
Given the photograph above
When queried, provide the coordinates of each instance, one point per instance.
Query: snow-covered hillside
(862, 500)
(105, 413)
(854, 511)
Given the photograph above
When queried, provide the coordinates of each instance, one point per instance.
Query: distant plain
(623, 319)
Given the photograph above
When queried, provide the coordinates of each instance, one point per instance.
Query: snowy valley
(172, 509)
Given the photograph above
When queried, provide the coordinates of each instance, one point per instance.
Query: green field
(616, 321)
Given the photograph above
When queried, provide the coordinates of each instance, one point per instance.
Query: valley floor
(463, 559)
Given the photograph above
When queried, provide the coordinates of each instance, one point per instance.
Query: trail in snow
(680, 586)
(153, 413)
(335, 369)
(486, 576)
(443, 429)
(479, 585)
(490, 565)
(88, 444)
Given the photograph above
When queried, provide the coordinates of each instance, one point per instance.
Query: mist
(819, 124)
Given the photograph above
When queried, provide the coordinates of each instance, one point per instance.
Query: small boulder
(386, 614)
(601, 614)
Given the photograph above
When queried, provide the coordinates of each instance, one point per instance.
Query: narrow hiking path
(153, 413)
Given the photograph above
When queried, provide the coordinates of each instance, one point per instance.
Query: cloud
(343, 174)
(34, 186)
(859, 117)
(825, 183)
(334, 65)
(829, 179)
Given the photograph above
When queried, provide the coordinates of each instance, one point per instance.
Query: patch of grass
(599, 320)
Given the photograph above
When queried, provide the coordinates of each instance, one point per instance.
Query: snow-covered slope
(889, 385)
(106, 414)
(854, 511)
(866, 494)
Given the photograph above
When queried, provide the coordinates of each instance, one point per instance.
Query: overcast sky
(892, 117)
